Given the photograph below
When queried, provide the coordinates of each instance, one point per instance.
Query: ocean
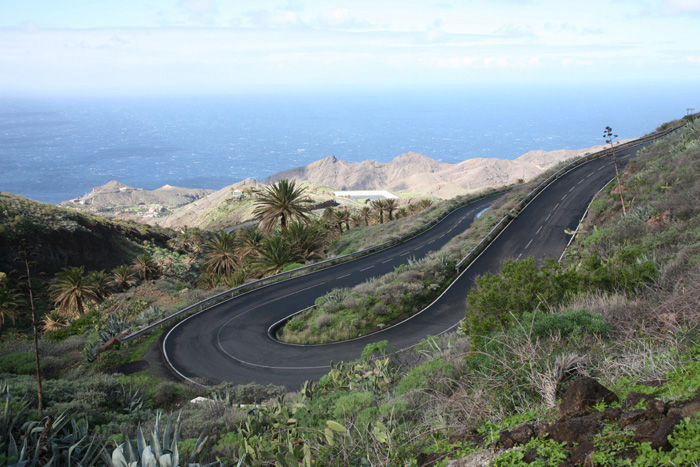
(54, 149)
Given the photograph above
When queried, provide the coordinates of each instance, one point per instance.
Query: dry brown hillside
(416, 173)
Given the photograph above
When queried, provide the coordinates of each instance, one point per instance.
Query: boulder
(582, 394)
(574, 430)
(519, 435)
(660, 438)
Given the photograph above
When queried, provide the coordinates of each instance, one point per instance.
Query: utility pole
(610, 139)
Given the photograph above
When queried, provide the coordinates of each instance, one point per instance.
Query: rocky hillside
(410, 173)
(62, 237)
(416, 173)
(114, 199)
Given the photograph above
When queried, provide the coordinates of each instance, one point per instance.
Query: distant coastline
(57, 149)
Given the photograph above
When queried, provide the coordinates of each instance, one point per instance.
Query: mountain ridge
(417, 173)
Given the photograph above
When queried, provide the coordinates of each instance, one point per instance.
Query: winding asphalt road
(230, 341)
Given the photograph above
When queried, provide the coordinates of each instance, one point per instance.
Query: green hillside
(61, 237)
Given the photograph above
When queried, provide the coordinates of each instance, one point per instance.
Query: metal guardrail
(229, 294)
(515, 212)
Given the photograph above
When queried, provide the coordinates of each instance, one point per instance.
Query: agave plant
(51, 441)
(162, 450)
(130, 399)
(115, 325)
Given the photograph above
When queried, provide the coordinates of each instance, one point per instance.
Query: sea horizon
(57, 148)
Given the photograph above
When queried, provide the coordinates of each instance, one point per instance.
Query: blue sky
(163, 46)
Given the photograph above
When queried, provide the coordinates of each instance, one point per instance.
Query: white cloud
(341, 18)
(688, 6)
(199, 6)
(200, 11)
(275, 19)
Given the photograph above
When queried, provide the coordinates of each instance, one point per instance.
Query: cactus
(162, 450)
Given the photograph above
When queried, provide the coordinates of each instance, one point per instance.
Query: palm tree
(100, 282)
(402, 212)
(341, 216)
(53, 321)
(356, 219)
(123, 277)
(412, 209)
(220, 254)
(71, 289)
(283, 202)
(309, 240)
(10, 301)
(379, 206)
(249, 241)
(366, 213)
(391, 206)
(425, 203)
(274, 254)
(145, 267)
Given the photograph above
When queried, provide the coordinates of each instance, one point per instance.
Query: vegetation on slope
(63, 237)
(453, 396)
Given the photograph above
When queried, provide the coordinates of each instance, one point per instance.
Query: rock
(630, 418)
(518, 435)
(582, 394)
(656, 408)
(634, 398)
(582, 452)
(611, 414)
(113, 343)
(574, 430)
(530, 456)
(645, 431)
(660, 438)
(481, 458)
(690, 410)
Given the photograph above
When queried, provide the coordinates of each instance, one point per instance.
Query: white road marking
(431, 241)
(538, 230)
(390, 259)
(563, 197)
(572, 189)
(590, 174)
(580, 182)
(404, 254)
(555, 207)
(547, 218)
(341, 277)
(367, 268)
(528, 244)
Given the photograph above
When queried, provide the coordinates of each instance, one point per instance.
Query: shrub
(519, 287)
(19, 364)
(374, 349)
(433, 374)
(574, 322)
(80, 326)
